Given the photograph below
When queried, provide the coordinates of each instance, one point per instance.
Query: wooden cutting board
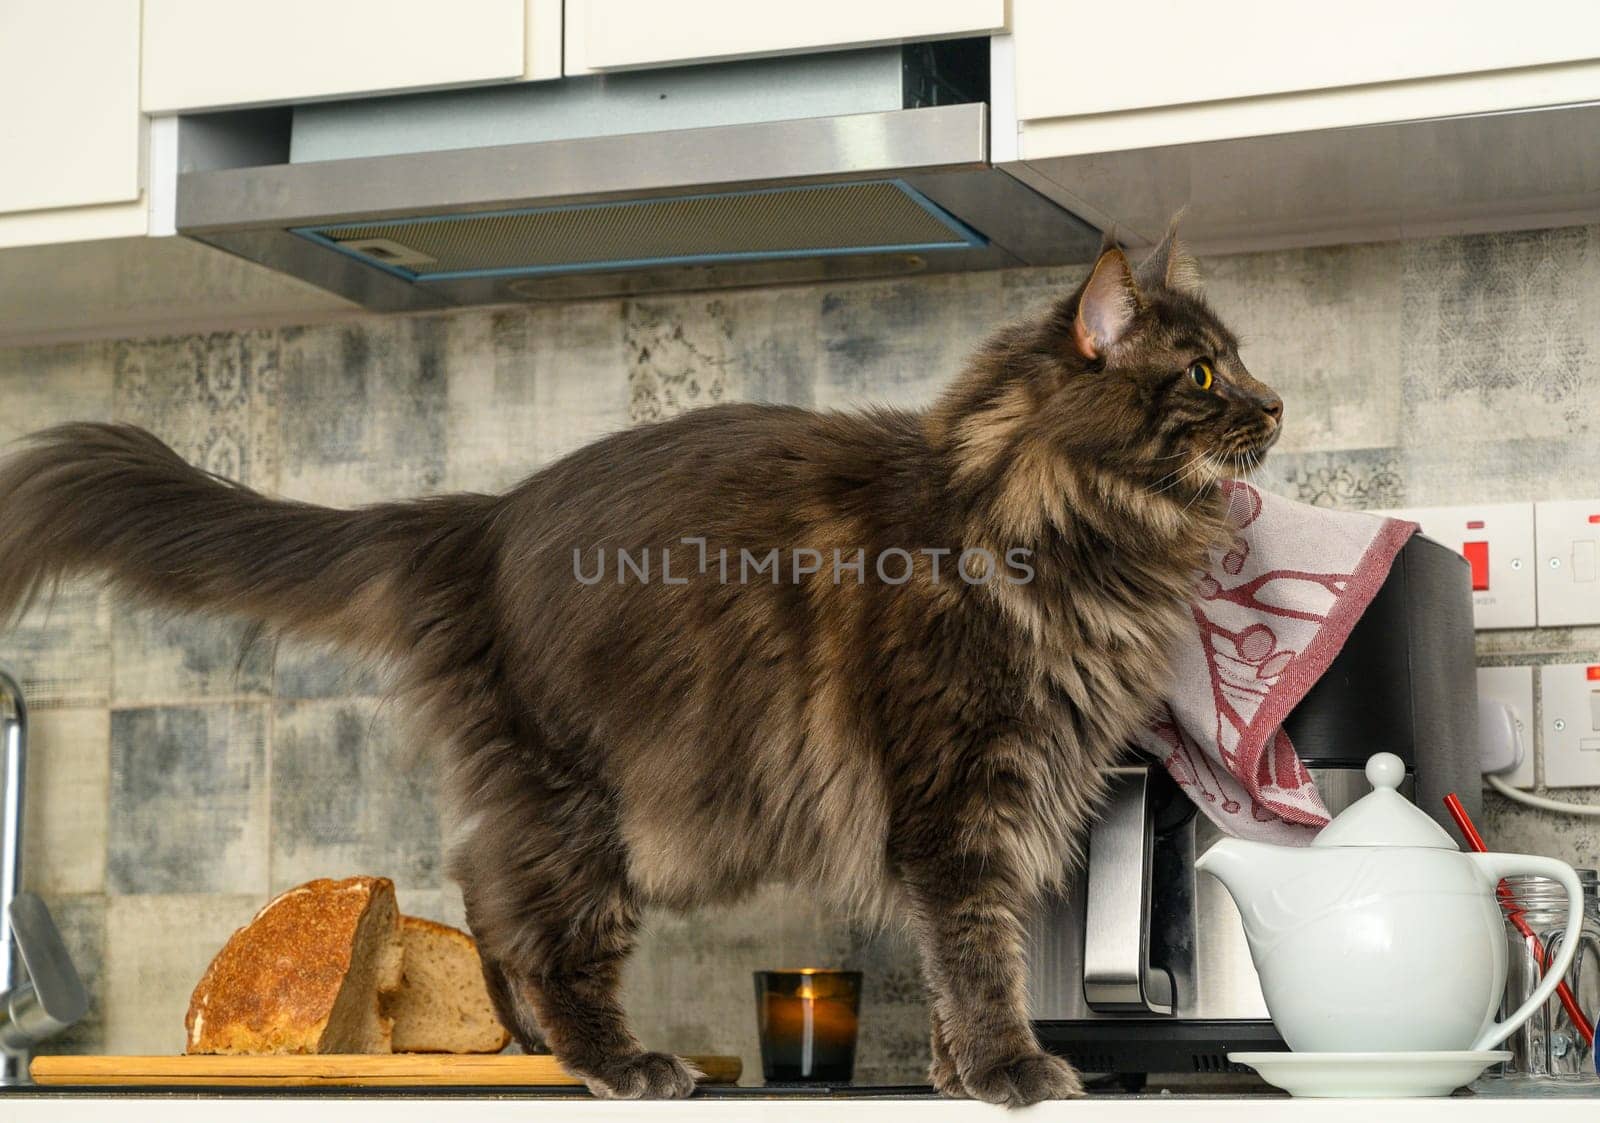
(331, 1070)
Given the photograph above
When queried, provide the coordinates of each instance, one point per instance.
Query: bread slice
(306, 975)
(442, 1005)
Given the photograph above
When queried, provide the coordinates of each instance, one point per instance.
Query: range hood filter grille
(842, 218)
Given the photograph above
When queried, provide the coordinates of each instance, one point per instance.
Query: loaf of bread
(442, 1005)
(309, 974)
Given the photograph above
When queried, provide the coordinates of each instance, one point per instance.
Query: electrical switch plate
(1570, 724)
(1569, 588)
(1513, 686)
(1497, 541)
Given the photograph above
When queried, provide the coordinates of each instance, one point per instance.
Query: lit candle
(808, 1023)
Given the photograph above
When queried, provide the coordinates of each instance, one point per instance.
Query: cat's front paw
(643, 1076)
(1024, 1080)
(945, 1079)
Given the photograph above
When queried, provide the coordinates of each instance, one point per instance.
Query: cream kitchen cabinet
(622, 34)
(1292, 123)
(205, 54)
(70, 129)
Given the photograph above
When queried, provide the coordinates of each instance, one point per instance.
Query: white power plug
(1500, 747)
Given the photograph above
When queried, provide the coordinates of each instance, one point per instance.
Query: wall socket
(1569, 568)
(1569, 724)
(1498, 542)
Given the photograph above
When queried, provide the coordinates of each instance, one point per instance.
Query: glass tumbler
(1549, 1046)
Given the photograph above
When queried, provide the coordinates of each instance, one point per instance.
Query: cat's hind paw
(643, 1076)
(1025, 1080)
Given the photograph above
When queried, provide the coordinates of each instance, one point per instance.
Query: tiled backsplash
(180, 777)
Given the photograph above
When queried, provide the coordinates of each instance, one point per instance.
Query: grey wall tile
(1024, 292)
(1323, 328)
(689, 985)
(443, 904)
(46, 386)
(900, 343)
(894, 1007)
(157, 947)
(555, 379)
(309, 670)
(362, 410)
(323, 754)
(61, 648)
(82, 923)
(69, 782)
(1495, 336)
(773, 349)
(159, 656)
(188, 799)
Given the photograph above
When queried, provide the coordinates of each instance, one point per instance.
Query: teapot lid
(1384, 817)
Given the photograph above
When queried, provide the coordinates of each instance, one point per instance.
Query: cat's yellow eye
(1200, 372)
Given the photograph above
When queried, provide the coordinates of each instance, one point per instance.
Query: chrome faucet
(40, 992)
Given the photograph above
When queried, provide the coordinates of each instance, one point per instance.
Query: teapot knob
(1385, 770)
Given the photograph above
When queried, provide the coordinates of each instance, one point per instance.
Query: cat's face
(1165, 386)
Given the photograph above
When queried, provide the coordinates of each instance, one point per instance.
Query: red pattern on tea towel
(1270, 615)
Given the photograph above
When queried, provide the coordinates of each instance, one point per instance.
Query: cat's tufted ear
(1106, 306)
(1170, 265)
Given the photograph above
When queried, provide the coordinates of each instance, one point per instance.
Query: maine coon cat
(884, 653)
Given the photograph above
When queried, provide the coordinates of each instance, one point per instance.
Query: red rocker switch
(1477, 555)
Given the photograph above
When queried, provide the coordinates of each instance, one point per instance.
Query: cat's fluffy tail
(112, 500)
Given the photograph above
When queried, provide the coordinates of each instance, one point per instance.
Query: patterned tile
(157, 947)
(1495, 341)
(1357, 480)
(213, 398)
(362, 410)
(677, 356)
(188, 799)
(82, 923)
(69, 782)
(536, 384)
(900, 343)
(346, 799)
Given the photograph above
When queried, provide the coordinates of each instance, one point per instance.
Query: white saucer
(1370, 1075)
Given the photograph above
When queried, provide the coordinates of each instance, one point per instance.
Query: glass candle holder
(808, 1020)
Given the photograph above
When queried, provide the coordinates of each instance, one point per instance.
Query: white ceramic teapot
(1382, 936)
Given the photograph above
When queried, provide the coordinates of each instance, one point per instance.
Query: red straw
(1508, 902)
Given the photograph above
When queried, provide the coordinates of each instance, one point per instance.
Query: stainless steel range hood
(804, 198)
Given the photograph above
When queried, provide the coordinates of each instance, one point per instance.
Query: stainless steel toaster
(1141, 965)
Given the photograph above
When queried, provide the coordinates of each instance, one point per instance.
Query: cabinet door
(618, 34)
(1076, 58)
(201, 54)
(69, 103)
